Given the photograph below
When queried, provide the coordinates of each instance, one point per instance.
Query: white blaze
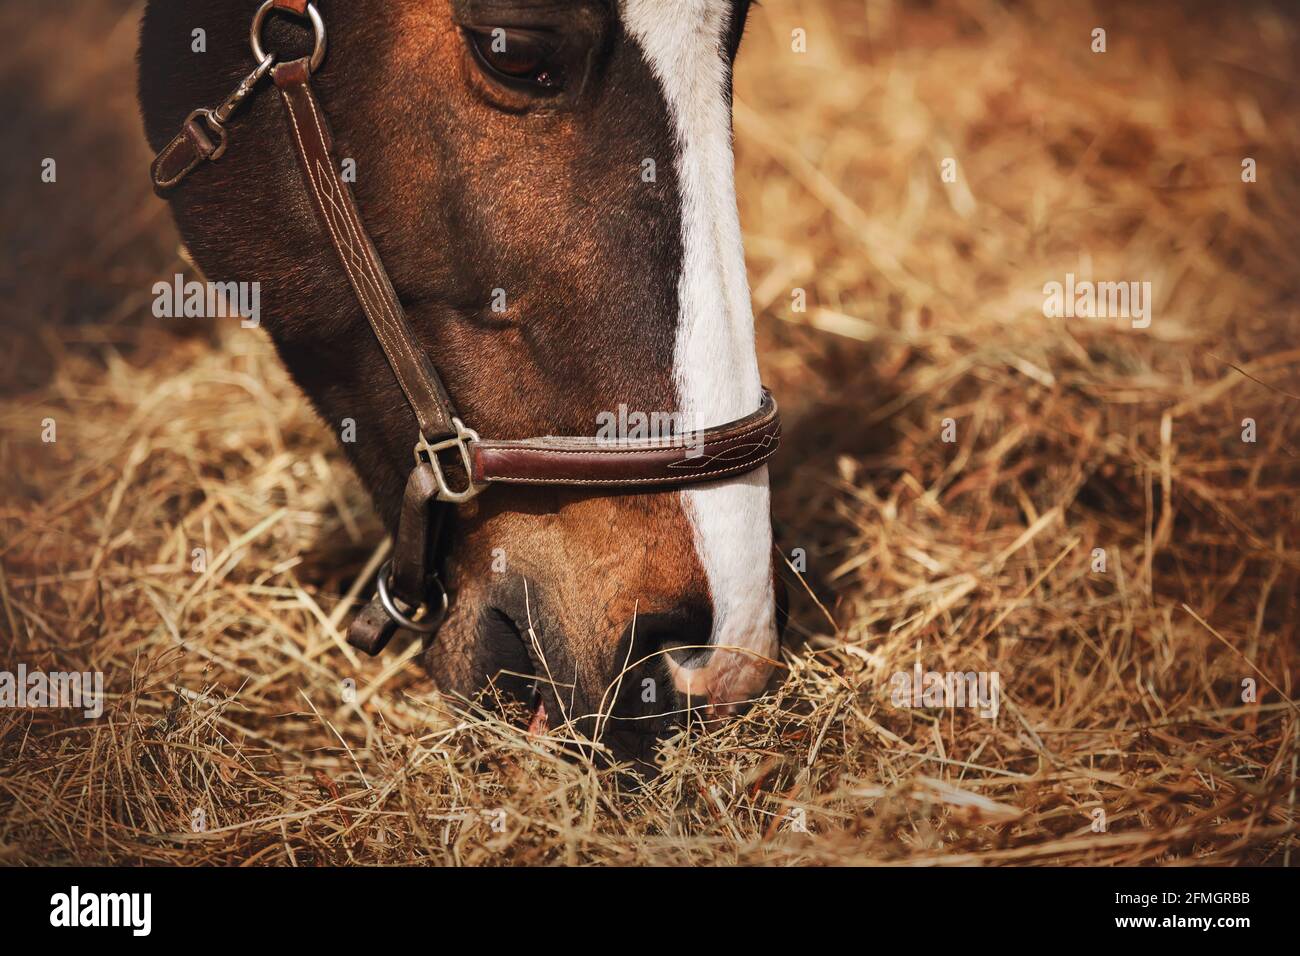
(715, 365)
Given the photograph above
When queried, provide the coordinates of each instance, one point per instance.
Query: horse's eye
(527, 60)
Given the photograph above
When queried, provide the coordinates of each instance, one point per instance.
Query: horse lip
(725, 684)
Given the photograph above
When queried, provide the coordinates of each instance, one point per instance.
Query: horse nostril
(682, 633)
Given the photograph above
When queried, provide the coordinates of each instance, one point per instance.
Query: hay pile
(1121, 689)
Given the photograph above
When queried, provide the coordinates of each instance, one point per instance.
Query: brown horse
(549, 183)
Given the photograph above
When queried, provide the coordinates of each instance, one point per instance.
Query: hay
(1122, 690)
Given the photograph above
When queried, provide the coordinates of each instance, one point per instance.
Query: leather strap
(706, 455)
(188, 149)
(337, 211)
(412, 569)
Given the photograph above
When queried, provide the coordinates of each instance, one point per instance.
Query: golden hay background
(1121, 690)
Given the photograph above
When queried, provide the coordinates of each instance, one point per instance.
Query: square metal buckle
(428, 451)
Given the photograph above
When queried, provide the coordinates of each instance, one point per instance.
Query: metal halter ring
(317, 25)
(427, 624)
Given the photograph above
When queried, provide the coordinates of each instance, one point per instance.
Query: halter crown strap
(337, 211)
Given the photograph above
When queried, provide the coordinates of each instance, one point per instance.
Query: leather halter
(444, 443)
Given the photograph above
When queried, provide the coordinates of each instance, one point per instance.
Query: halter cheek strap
(452, 464)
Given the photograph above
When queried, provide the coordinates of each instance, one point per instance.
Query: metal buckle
(426, 451)
(216, 119)
(317, 26)
(222, 113)
(428, 623)
(223, 138)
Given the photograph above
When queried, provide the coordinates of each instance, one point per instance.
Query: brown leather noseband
(452, 463)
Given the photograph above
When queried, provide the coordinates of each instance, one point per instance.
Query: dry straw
(1122, 690)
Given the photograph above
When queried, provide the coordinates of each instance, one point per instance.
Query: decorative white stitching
(346, 231)
(532, 446)
(177, 141)
(632, 482)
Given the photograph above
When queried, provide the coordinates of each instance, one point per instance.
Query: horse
(549, 185)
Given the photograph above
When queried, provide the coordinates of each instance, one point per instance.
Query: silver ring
(317, 26)
(426, 625)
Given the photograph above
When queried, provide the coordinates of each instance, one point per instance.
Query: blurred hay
(1121, 690)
